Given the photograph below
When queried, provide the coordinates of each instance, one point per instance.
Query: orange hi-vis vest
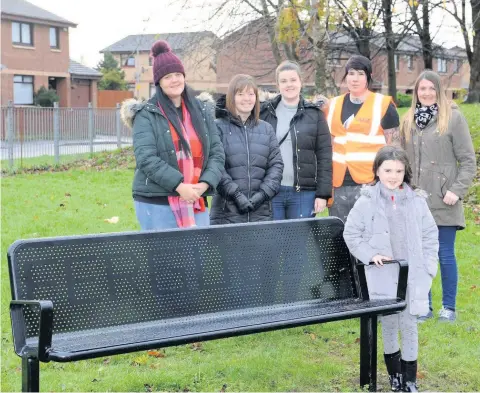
(355, 147)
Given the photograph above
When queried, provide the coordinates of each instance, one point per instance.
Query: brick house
(248, 50)
(195, 49)
(35, 53)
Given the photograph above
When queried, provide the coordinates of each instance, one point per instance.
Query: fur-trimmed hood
(371, 191)
(319, 100)
(132, 106)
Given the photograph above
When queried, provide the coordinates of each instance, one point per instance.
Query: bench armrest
(45, 327)
(402, 276)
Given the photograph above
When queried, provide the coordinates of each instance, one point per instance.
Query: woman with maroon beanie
(179, 156)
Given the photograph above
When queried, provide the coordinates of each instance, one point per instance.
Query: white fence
(57, 133)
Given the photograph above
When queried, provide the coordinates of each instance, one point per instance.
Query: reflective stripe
(355, 137)
(377, 114)
(343, 158)
(330, 113)
(361, 157)
(338, 157)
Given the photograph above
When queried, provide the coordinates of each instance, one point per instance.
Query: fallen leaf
(156, 354)
(473, 287)
(196, 346)
(313, 336)
(148, 387)
(140, 361)
(18, 370)
(112, 220)
(106, 361)
(67, 194)
(420, 374)
(357, 340)
(35, 217)
(154, 366)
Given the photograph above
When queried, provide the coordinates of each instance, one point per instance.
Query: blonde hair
(444, 105)
(239, 83)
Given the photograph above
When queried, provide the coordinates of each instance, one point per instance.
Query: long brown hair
(444, 105)
(239, 83)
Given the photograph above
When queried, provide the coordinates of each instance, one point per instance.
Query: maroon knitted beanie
(164, 61)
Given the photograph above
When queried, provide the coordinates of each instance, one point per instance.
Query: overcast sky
(103, 22)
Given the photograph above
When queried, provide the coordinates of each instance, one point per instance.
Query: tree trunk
(319, 38)
(271, 33)
(427, 47)
(366, 31)
(474, 86)
(390, 43)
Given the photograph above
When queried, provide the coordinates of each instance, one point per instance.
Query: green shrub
(404, 100)
(45, 97)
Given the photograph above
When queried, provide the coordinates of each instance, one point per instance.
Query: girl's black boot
(394, 369)
(409, 376)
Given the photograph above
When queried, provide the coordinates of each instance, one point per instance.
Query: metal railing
(54, 135)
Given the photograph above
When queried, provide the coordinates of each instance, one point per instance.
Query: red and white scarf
(190, 167)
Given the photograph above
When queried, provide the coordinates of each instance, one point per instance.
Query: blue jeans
(448, 266)
(288, 204)
(153, 217)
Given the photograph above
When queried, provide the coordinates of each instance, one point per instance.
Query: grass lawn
(316, 358)
(313, 358)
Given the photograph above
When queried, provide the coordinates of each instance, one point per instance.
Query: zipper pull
(297, 188)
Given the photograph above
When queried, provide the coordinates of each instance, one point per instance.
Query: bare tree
(458, 10)
(246, 21)
(358, 18)
(387, 6)
(474, 87)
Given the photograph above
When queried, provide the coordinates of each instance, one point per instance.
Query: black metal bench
(83, 297)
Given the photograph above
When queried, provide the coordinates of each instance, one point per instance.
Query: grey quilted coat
(367, 234)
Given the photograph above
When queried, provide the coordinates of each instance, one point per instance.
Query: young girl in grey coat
(391, 220)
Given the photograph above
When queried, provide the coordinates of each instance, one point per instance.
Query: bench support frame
(368, 352)
(30, 374)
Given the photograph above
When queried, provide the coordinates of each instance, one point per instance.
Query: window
(54, 38)
(458, 65)
(153, 90)
(397, 62)
(410, 63)
(23, 90)
(441, 65)
(127, 61)
(22, 33)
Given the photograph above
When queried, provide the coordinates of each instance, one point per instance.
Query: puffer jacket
(441, 163)
(311, 145)
(367, 234)
(157, 172)
(253, 162)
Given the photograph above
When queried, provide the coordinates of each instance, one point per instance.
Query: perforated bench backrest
(106, 280)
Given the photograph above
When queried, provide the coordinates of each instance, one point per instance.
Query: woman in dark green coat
(179, 156)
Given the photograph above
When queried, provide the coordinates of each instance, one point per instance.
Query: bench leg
(30, 374)
(368, 352)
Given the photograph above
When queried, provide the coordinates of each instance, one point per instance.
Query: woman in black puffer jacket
(305, 145)
(253, 163)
